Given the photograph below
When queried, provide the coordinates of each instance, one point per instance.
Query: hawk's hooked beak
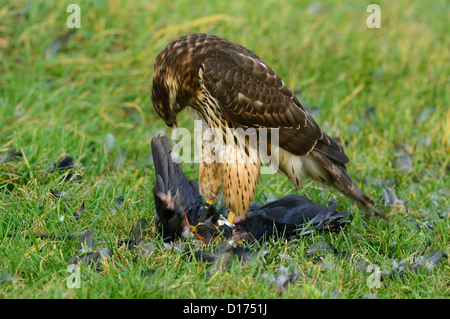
(171, 124)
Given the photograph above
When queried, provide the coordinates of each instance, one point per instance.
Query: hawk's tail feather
(344, 183)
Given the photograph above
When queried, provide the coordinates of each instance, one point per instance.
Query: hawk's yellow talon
(231, 217)
(194, 228)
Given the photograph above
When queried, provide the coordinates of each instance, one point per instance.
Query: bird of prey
(231, 87)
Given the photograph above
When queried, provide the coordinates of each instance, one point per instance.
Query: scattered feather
(402, 268)
(78, 213)
(58, 195)
(403, 160)
(138, 229)
(137, 242)
(86, 242)
(53, 49)
(6, 277)
(281, 279)
(424, 140)
(110, 141)
(321, 249)
(425, 115)
(224, 255)
(403, 163)
(11, 155)
(222, 261)
(66, 164)
(370, 113)
(89, 256)
(144, 249)
(316, 8)
(353, 128)
(117, 205)
(119, 159)
(104, 252)
(391, 200)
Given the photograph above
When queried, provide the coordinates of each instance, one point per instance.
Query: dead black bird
(178, 205)
(290, 216)
(177, 199)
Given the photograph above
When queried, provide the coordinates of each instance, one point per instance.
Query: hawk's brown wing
(251, 94)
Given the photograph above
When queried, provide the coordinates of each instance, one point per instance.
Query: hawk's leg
(210, 179)
(210, 167)
(240, 176)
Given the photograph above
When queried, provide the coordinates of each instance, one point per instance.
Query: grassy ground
(383, 92)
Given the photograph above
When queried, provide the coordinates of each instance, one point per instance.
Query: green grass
(99, 83)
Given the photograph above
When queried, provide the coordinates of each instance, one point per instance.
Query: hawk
(231, 87)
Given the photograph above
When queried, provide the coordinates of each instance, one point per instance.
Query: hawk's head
(175, 78)
(164, 95)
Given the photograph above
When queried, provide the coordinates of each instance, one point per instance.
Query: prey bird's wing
(161, 152)
(170, 179)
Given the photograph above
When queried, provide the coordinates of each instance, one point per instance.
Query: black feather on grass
(11, 155)
(65, 165)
